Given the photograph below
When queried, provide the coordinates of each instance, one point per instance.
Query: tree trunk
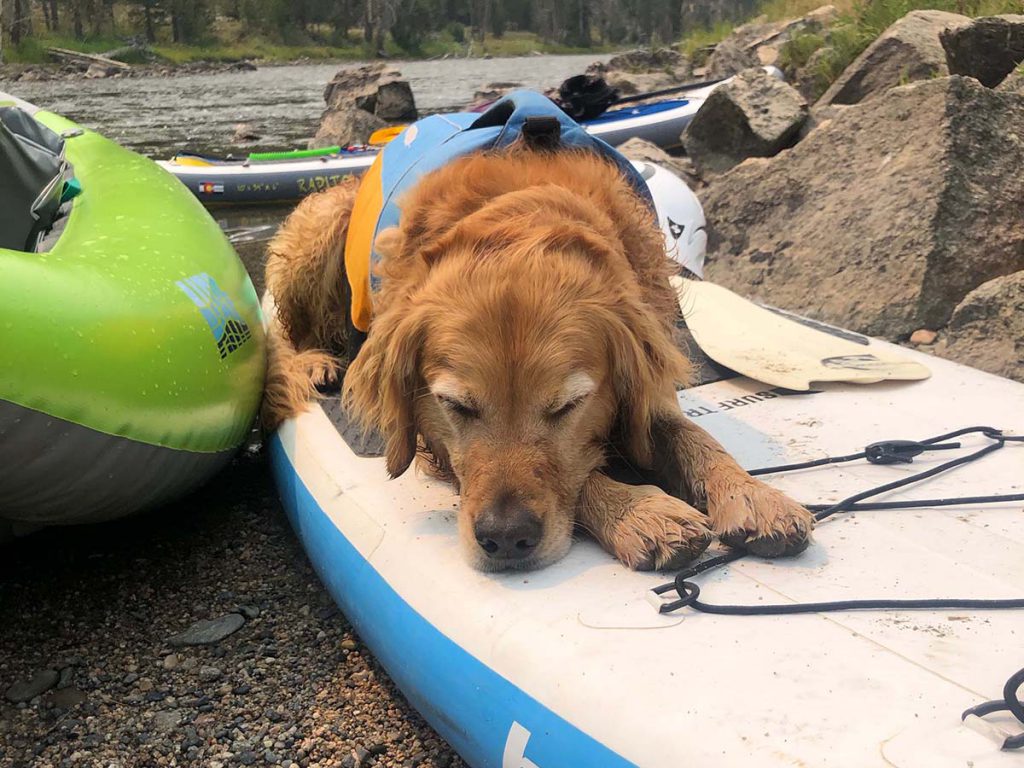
(147, 8)
(54, 15)
(76, 19)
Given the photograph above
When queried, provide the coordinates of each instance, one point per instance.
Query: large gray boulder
(641, 70)
(884, 217)
(343, 126)
(375, 88)
(987, 49)
(908, 50)
(760, 43)
(1014, 82)
(987, 328)
(752, 115)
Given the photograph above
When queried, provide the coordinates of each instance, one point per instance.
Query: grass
(699, 40)
(859, 23)
(32, 50)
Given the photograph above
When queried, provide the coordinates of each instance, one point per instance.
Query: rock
(493, 91)
(759, 43)
(66, 698)
(171, 661)
(101, 70)
(987, 328)
(376, 88)
(647, 152)
(344, 126)
(349, 645)
(923, 337)
(753, 115)
(26, 690)
(642, 70)
(209, 631)
(244, 132)
(1014, 83)
(884, 217)
(166, 721)
(33, 76)
(987, 49)
(209, 674)
(908, 50)
(67, 674)
(243, 66)
(249, 611)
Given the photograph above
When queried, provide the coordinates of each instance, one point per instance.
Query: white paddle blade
(780, 349)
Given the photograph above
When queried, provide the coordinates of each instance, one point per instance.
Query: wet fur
(508, 274)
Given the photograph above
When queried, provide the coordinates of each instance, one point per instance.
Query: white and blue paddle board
(574, 665)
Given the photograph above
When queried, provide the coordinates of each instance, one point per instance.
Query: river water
(159, 116)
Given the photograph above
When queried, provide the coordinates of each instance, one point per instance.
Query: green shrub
(795, 53)
(457, 32)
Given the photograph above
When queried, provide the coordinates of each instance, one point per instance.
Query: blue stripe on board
(474, 708)
(625, 113)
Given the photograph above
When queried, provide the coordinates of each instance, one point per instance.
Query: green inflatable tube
(131, 349)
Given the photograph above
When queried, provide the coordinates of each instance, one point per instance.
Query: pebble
(166, 721)
(209, 674)
(923, 337)
(67, 674)
(281, 697)
(26, 690)
(66, 698)
(209, 631)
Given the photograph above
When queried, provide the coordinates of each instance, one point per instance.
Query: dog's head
(515, 350)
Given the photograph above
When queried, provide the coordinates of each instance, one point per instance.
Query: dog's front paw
(323, 369)
(658, 532)
(760, 519)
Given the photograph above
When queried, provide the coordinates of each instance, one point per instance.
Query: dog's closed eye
(559, 412)
(454, 398)
(578, 387)
(459, 408)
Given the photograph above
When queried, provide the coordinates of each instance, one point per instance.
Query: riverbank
(91, 615)
(162, 59)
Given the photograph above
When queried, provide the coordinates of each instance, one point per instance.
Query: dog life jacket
(427, 145)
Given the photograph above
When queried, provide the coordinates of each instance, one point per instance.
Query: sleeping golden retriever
(523, 335)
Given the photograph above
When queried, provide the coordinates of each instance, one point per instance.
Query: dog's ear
(383, 382)
(646, 365)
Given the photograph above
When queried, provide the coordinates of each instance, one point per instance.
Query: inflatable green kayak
(131, 342)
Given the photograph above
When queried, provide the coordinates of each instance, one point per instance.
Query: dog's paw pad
(660, 532)
(761, 520)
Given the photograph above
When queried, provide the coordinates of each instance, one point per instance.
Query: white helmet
(679, 214)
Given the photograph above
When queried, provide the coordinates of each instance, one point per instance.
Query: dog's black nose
(508, 531)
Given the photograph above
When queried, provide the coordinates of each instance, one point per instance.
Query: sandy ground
(97, 606)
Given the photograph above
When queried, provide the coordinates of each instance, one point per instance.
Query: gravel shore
(96, 632)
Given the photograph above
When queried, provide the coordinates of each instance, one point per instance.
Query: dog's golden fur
(523, 332)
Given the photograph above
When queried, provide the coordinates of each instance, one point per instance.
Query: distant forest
(406, 23)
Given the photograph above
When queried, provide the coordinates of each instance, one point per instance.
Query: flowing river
(158, 116)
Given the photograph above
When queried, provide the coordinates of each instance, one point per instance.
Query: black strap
(542, 132)
(887, 452)
(1009, 703)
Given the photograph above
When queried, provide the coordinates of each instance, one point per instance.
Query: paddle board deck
(574, 665)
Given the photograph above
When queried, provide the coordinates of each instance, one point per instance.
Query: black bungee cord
(885, 452)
